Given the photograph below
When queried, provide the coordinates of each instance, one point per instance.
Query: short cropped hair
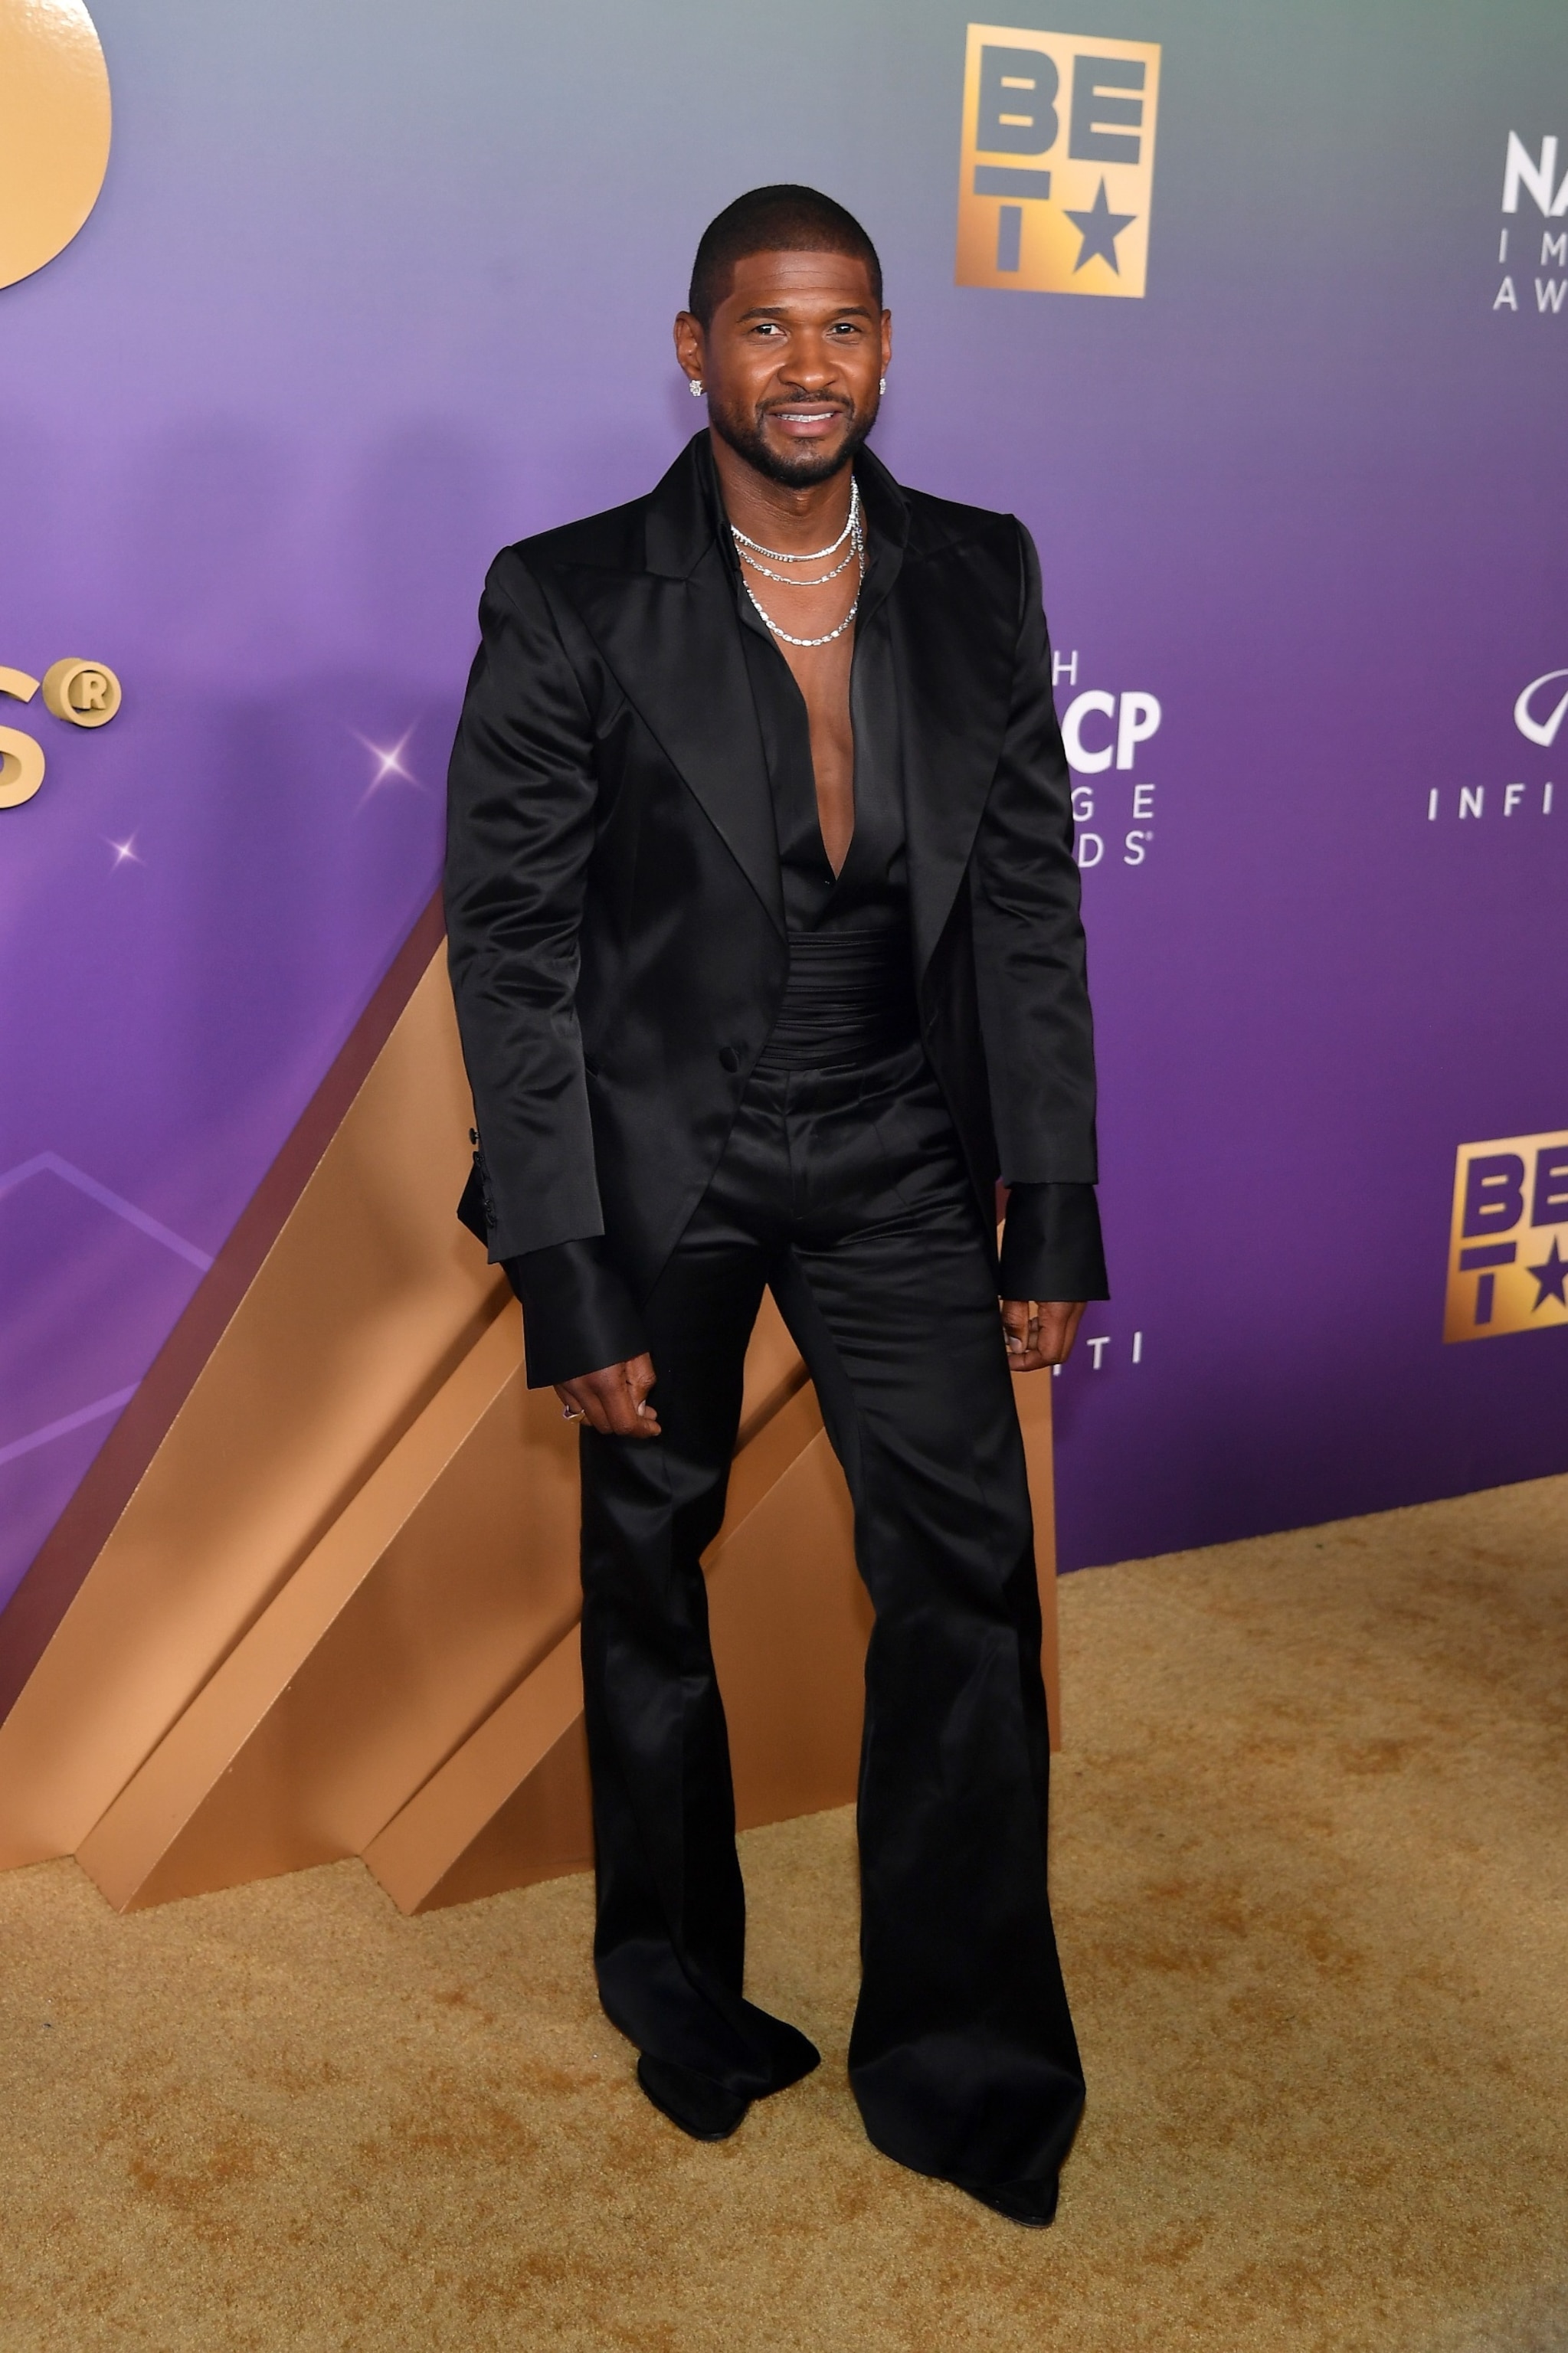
(782, 219)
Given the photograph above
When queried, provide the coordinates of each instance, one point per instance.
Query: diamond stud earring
(696, 384)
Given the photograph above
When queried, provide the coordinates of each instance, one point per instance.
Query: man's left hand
(1039, 1332)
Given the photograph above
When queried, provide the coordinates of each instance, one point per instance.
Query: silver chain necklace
(856, 537)
(820, 555)
(783, 579)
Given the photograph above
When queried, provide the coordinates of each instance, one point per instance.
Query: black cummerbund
(849, 999)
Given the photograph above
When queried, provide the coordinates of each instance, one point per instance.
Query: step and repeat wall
(1257, 314)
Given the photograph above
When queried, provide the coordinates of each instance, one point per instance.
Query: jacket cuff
(1050, 1244)
(577, 1314)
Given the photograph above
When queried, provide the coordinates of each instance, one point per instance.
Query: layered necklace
(752, 551)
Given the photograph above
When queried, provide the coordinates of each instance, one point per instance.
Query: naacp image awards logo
(1057, 169)
(1534, 251)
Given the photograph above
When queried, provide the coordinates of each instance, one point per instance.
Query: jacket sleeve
(1050, 1246)
(577, 1314)
(521, 802)
(1030, 967)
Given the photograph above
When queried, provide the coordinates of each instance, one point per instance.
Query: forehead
(833, 282)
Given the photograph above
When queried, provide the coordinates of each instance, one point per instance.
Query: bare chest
(822, 675)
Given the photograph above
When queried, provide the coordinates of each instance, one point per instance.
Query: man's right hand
(614, 1401)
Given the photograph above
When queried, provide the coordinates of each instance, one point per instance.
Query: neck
(775, 514)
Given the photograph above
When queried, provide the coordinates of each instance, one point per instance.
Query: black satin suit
(703, 1065)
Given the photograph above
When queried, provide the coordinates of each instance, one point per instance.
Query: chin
(791, 465)
(801, 466)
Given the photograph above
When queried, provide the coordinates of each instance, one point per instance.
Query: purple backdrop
(372, 289)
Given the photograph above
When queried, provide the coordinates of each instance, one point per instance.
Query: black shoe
(798, 2058)
(696, 2103)
(1032, 2203)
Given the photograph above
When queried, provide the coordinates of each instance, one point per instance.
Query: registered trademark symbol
(87, 693)
(84, 693)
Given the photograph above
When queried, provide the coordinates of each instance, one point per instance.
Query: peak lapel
(671, 637)
(953, 637)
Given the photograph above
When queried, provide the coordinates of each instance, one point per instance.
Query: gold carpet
(1313, 1900)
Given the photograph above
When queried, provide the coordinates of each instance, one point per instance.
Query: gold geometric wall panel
(369, 1297)
(445, 1579)
(511, 1806)
(338, 1615)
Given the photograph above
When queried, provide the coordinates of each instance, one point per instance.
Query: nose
(813, 364)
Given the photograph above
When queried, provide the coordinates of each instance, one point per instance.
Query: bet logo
(54, 130)
(1507, 1272)
(1057, 166)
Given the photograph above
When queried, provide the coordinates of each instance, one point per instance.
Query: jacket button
(731, 1058)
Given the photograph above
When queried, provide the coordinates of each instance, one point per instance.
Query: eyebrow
(782, 310)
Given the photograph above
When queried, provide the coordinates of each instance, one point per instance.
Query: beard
(743, 430)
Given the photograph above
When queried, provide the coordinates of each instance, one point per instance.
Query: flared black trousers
(844, 1193)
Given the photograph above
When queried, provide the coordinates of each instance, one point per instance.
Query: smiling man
(765, 940)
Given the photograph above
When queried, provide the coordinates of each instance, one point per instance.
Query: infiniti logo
(1541, 731)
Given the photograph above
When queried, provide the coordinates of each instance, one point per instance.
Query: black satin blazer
(614, 904)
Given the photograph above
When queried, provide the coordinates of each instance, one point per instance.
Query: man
(764, 941)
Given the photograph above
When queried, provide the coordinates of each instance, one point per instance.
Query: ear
(691, 343)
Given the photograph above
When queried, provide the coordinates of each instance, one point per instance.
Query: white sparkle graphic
(389, 765)
(126, 852)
